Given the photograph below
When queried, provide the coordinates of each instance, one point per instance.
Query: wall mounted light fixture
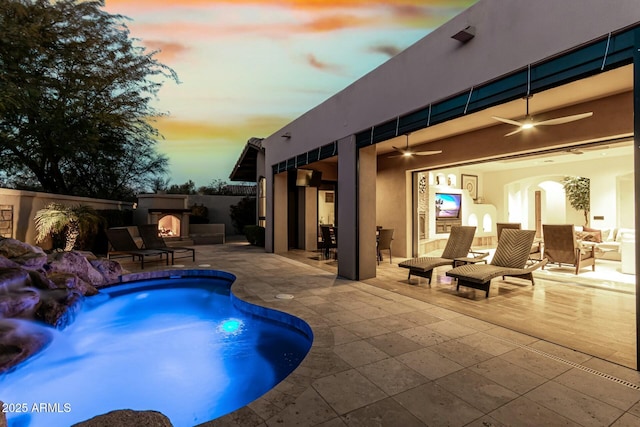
(465, 34)
(286, 135)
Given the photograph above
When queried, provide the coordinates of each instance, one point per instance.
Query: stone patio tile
(443, 313)
(508, 375)
(479, 391)
(635, 409)
(343, 317)
(311, 300)
(308, 409)
(419, 318)
(527, 413)
(487, 421)
(347, 391)
(572, 404)
(513, 336)
(627, 420)
(394, 344)
(614, 369)
(487, 343)
(461, 353)
(601, 388)
(321, 362)
(535, 362)
(326, 308)
(470, 322)
(424, 336)
(341, 335)
(366, 329)
(435, 406)
(451, 329)
(392, 323)
(334, 422)
(358, 353)
(371, 312)
(560, 351)
(394, 307)
(392, 376)
(429, 363)
(386, 412)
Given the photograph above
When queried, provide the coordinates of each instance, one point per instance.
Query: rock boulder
(19, 340)
(127, 418)
(28, 256)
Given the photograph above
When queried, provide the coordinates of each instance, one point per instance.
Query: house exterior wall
(509, 36)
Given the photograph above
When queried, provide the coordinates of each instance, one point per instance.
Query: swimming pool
(183, 346)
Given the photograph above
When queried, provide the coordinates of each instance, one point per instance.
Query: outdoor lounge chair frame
(458, 246)
(151, 240)
(510, 259)
(122, 245)
(561, 247)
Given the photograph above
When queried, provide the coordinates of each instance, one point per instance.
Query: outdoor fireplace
(169, 226)
(171, 222)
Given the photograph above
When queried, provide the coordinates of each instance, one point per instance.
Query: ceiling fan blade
(400, 150)
(566, 119)
(514, 132)
(399, 155)
(507, 121)
(427, 153)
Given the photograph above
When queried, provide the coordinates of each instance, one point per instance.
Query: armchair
(562, 247)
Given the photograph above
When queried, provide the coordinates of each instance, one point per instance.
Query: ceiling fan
(528, 122)
(408, 152)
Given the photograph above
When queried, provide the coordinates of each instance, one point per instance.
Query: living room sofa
(608, 241)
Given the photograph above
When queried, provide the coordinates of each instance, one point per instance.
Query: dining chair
(384, 242)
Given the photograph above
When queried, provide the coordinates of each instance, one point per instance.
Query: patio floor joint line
(574, 364)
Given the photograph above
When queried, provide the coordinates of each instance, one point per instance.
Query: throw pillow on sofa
(595, 234)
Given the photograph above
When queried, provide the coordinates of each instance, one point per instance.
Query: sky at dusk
(248, 67)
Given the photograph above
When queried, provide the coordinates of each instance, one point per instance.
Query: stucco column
(367, 215)
(278, 224)
(356, 211)
(309, 229)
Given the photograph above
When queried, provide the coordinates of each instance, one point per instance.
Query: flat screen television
(448, 205)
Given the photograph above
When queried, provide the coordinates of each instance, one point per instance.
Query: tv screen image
(448, 205)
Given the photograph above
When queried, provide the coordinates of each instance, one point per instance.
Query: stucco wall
(27, 203)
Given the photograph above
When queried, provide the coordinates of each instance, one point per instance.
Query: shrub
(244, 213)
(254, 234)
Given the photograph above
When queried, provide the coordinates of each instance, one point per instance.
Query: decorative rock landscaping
(48, 288)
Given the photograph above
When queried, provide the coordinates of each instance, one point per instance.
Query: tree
(75, 93)
(578, 193)
(217, 187)
(76, 222)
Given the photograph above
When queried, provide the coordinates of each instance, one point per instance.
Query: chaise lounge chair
(151, 240)
(510, 259)
(122, 245)
(458, 246)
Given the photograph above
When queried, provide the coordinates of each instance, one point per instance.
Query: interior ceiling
(602, 85)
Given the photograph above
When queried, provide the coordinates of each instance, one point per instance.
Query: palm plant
(75, 221)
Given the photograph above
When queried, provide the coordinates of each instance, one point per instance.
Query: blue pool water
(184, 347)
